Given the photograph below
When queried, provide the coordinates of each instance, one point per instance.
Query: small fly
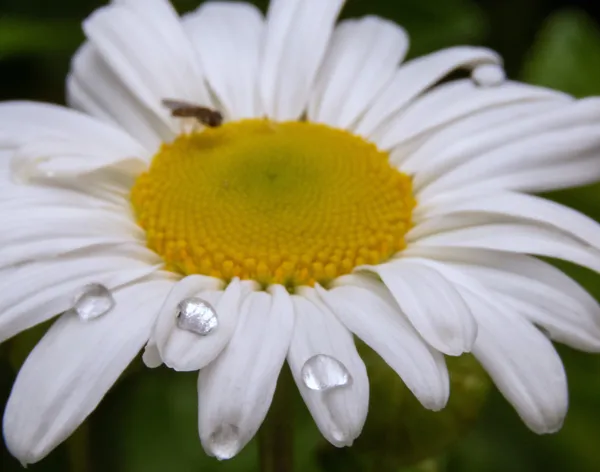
(204, 115)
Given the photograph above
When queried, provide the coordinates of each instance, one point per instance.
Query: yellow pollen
(291, 203)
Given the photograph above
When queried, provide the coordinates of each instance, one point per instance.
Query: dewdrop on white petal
(488, 75)
(93, 301)
(323, 372)
(225, 441)
(197, 315)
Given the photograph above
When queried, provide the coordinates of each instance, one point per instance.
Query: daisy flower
(238, 191)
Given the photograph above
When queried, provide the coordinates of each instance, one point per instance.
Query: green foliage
(431, 24)
(566, 54)
(20, 36)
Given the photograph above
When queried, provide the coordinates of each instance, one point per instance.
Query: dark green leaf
(566, 54)
(29, 36)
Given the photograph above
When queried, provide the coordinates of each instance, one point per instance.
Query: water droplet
(225, 441)
(93, 301)
(197, 315)
(341, 438)
(488, 75)
(323, 372)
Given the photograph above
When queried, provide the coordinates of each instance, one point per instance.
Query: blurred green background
(147, 423)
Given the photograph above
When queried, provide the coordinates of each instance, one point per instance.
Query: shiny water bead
(323, 372)
(488, 75)
(196, 315)
(225, 441)
(93, 301)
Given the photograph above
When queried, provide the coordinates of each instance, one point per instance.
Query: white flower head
(345, 192)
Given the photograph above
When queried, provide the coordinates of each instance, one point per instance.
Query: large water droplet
(323, 372)
(340, 437)
(225, 441)
(197, 315)
(93, 301)
(488, 75)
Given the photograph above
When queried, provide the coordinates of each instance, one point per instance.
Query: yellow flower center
(291, 203)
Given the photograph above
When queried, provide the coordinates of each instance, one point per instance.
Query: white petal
(228, 40)
(442, 224)
(151, 356)
(186, 351)
(47, 141)
(339, 413)
(517, 263)
(58, 158)
(520, 359)
(26, 197)
(72, 367)
(533, 152)
(102, 189)
(37, 291)
(540, 292)
(26, 122)
(165, 324)
(451, 143)
(416, 76)
(559, 324)
(147, 49)
(575, 172)
(452, 101)
(235, 391)
(20, 252)
(94, 88)
(522, 363)
(518, 238)
(488, 75)
(50, 231)
(105, 188)
(431, 303)
(45, 223)
(297, 37)
(5, 156)
(367, 309)
(480, 133)
(363, 57)
(529, 207)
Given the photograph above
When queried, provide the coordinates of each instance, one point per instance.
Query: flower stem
(275, 439)
(78, 449)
